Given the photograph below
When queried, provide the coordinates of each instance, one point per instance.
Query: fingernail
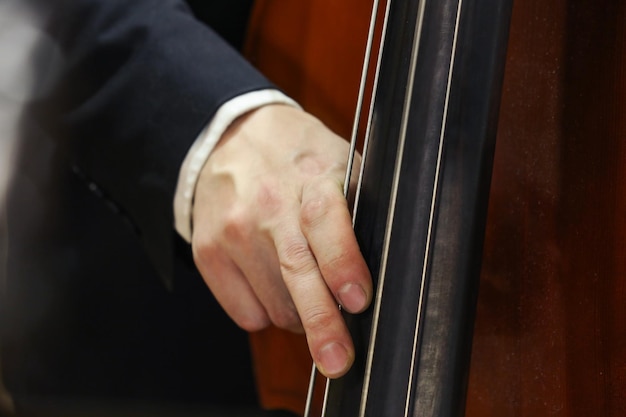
(352, 298)
(333, 359)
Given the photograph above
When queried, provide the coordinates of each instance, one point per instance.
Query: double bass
(549, 337)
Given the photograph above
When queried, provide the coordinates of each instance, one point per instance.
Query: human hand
(273, 236)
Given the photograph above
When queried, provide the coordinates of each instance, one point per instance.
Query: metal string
(360, 100)
(392, 206)
(394, 193)
(432, 211)
(351, 156)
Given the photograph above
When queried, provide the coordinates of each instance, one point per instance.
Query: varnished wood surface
(551, 330)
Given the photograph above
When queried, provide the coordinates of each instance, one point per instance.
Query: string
(431, 218)
(359, 104)
(392, 205)
(309, 395)
(352, 155)
(393, 200)
(395, 187)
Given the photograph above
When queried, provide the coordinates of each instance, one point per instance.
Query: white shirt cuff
(204, 144)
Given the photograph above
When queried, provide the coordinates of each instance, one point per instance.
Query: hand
(273, 236)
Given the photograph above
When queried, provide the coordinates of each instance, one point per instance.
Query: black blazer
(140, 80)
(84, 312)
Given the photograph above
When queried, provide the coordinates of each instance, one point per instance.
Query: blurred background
(19, 38)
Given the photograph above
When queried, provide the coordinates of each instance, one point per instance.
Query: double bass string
(360, 101)
(407, 108)
(418, 134)
(392, 205)
(352, 151)
(433, 202)
(311, 390)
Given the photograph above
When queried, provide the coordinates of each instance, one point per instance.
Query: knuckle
(236, 225)
(318, 201)
(318, 319)
(312, 211)
(296, 258)
(203, 251)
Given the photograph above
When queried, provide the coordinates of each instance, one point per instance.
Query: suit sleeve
(140, 80)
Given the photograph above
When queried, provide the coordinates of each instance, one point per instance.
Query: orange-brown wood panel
(550, 333)
(313, 50)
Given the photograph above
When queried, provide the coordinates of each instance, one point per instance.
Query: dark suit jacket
(85, 311)
(141, 79)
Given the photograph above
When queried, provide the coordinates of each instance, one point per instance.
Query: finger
(328, 338)
(230, 288)
(327, 225)
(258, 261)
(247, 242)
